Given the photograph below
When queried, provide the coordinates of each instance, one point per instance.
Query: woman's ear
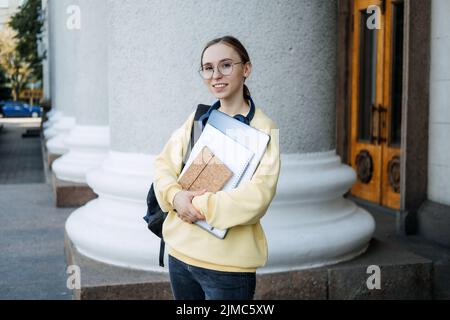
(247, 70)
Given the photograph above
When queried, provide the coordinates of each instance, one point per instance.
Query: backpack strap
(162, 246)
(196, 131)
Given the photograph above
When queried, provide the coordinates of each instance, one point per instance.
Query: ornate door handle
(373, 109)
(381, 123)
(378, 137)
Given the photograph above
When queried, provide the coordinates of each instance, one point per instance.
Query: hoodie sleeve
(167, 165)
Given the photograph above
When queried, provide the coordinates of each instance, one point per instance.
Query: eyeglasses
(225, 68)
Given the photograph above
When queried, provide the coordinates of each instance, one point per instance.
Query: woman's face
(225, 86)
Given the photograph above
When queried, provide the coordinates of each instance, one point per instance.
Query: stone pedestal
(403, 276)
(71, 194)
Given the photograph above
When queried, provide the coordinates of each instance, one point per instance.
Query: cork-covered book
(206, 171)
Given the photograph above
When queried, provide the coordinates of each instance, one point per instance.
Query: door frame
(415, 105)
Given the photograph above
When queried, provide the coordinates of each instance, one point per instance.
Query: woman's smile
(219, 87)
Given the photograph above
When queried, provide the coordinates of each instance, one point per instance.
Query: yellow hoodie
(244, 248)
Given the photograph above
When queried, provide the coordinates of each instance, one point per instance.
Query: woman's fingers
(197, 193)
(187, 220)
(188, 212)
(197, 214)
(184, 218)
(190, 216)
(187, 216)
(188, 207)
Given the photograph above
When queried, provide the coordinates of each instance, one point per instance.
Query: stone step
(387, 230)
(403, 275)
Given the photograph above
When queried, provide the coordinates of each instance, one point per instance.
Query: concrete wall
(439, 146)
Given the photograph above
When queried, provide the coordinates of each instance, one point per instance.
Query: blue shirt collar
(245, 119)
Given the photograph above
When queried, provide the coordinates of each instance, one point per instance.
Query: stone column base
(403, 276)
(60, 130)
(309, 224)
(48, 129)
(71, 194)
(88, 147)
(51, 157)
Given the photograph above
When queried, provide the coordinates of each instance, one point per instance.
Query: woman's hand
(183, 206)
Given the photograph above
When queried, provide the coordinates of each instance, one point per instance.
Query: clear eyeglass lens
(225, 68)
(207, 72)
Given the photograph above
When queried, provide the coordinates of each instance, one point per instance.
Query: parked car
(19, 109)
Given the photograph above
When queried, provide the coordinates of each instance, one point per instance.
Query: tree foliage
(14, 66)
(5, 92)
(3, 79)
(28, 24)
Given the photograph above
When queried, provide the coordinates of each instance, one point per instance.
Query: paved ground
(32, 262)
(20, 157)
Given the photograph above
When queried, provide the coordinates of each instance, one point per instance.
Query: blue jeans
(194, 283)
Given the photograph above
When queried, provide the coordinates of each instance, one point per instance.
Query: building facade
(357, 87)
(393, 112)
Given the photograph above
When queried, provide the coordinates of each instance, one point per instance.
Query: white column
(88, 141)
(44, 48)
(439, 148)
(54, 115)
(155, 51)
(63, 51)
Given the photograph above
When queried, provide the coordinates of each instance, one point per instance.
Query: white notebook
(233, 154)
(250, 137)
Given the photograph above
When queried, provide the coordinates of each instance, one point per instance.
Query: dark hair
(236, 45)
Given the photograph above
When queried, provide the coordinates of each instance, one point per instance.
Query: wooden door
(376, 99)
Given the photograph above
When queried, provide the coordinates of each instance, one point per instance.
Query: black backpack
(155, 216)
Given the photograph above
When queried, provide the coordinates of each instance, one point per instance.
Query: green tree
(28, 24)
(3, 79)
(5, 91)
(16, 69)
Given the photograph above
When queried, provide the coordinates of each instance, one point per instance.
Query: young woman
(202, 266)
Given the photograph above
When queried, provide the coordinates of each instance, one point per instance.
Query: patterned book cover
(207, 171)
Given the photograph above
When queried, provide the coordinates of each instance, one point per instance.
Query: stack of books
(226, 154)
